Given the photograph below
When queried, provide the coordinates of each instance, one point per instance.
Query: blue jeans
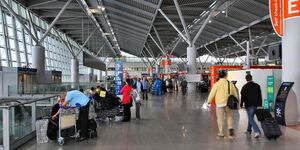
(158, 91)
(251, 122)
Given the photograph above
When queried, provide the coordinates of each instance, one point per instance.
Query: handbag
(232, 102)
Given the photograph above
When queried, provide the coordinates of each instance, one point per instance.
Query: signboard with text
(281, 10)
(118, 77)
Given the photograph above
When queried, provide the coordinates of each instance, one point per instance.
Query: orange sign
(276, 15)
(291, 8)
(166, 62)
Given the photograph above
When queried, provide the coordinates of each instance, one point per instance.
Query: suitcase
(262, 114)
(271, 128)
(41, 131)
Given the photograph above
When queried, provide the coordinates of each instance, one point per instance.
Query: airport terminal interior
(149, 74)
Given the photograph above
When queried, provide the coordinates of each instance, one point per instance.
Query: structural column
(74, 71)
(191, 58)
(191, 65)
(291, 54)
(91, 75)
(38, 62)
(99, 75)
(157, 69)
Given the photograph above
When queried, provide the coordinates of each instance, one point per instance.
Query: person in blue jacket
(158, 86)
(76, 98)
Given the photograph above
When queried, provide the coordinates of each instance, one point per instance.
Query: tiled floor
(175, 122)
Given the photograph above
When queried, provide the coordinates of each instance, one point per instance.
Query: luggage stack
(268, 123)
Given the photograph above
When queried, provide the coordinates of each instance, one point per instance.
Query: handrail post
(33, 115)
(6, 129)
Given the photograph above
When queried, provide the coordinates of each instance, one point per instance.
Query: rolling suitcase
(271, 128)
(262, 114)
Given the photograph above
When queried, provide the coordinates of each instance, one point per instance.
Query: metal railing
(44, 89)
(19, 118)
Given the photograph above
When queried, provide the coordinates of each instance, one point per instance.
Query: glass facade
(16, 43)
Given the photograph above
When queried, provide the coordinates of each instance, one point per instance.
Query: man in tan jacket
(220, 93)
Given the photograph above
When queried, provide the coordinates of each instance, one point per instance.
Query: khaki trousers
(222, 113)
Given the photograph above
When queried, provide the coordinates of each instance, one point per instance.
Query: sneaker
(231, 132)
(248, 132)
(82, 139)
(257, 135)
(220, 135)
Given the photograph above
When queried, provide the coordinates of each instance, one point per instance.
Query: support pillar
(191, 58)
(291, 54)
(248, 61)
(191, 66)
(99, 75)
(91, 75)
(157, 69)
(74, 71)
(38, 62)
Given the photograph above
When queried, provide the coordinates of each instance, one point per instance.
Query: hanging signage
(283, 9)
(291, 8)
(276, 15)
(165, 63)
(118, 77)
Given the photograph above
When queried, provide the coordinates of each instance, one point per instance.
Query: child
(53, 122)
(137, 99)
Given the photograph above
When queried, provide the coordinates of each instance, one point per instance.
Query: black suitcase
(271, 128)
(262, 114)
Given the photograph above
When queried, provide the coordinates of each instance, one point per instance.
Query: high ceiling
(132, 25)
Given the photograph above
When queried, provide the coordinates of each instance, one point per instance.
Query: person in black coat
(251, 96)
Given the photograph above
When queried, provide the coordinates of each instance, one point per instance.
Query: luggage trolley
(67, 119)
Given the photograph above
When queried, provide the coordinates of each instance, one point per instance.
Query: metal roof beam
(51, 5)
(116, 17)
(185, 8)
(245, 12)
(127, 31)
(66, 14)
(129, 15)
(117, 23)
(174, 26)
(34, 3)
(124, 5)
(146, 3)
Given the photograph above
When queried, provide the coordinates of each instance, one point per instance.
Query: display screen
(284, 90)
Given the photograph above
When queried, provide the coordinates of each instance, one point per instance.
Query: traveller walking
(126, 101)
(183, 86)
(139, 86)
(251, 96)
(221, 94)
(158, 87)
(145, 84)
(137, 99)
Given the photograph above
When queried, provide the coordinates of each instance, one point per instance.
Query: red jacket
(126, 94)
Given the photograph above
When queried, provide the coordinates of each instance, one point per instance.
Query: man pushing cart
(77, 99)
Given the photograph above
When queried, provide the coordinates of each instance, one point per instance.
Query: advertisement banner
(281, 10)
(291, 8)
(118, 77)
(276, 15)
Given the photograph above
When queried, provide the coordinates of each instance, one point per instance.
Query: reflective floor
(174, 122)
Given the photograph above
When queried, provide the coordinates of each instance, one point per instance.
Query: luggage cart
(67, 119)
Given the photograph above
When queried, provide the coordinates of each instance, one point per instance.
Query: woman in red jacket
(126, 101)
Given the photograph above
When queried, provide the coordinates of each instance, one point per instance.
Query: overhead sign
(291, 8)
(283, 9)
(118, 77)
(93, 62)
(276, 15)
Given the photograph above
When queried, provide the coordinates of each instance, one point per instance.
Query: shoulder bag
(232, 102)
